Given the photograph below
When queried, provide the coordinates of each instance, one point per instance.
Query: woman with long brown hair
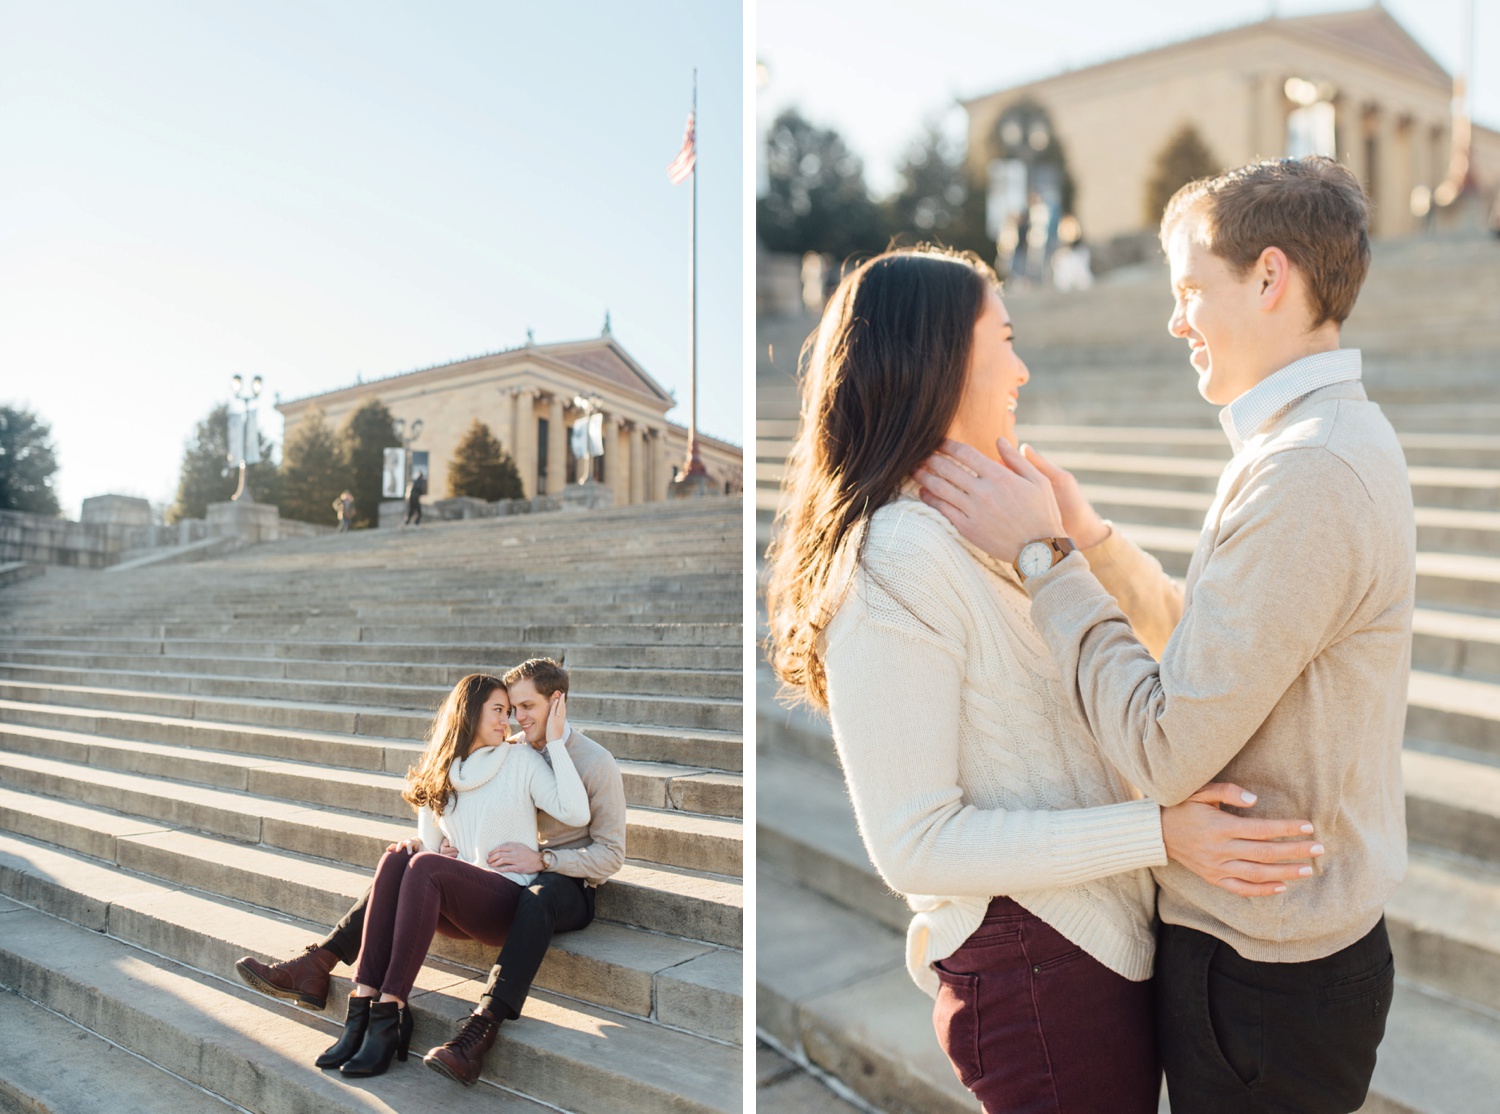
(1024, 856)
(472, 790)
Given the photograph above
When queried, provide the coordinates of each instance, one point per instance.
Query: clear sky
(317, 189)
(875, 69)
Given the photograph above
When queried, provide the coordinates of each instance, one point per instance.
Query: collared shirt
(1247, 415)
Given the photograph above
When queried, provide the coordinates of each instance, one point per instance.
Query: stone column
(525, 450)
(661, 468)
(1398, 168)
(637, 464)
(1268, 131)
(1349, 128)
(557, 446)
(1383, 183)
(506, 422)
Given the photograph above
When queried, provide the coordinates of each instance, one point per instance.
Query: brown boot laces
(474, 1030)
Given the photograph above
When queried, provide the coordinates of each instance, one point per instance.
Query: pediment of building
(1370, 34)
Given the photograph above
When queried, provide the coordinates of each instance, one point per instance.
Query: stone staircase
(831, 988)
(205, 761)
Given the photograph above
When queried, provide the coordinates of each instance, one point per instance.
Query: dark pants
(1239, 1037)
(1035, 1025)
(553, 903)
(417, 895)
(413, 512)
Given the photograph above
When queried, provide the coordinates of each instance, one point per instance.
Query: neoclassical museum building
(1354, 85)
(526, 396)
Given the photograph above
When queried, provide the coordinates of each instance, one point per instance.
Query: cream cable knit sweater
(971, 775)
(498, 791)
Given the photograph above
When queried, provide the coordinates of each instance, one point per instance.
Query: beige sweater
(594, 851)
(970, 774)
(1283, 666)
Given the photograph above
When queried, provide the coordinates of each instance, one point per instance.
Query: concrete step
(184, 696)
(617, 967)
(710, 750)
(1452, 803)
(832, 988)
(395, 676)
(782, 1087)
(1444, 923)
(695, 842)
(99, 1074)
(648, 784)
(694, 712)
(721, 658)
(258, 1053)
(445, 636)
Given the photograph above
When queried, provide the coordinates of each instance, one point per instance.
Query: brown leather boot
(303, 980)
(462, 1058)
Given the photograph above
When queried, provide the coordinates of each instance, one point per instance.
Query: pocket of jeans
(1375, 983)
(955, 1019)
(1236, 1019)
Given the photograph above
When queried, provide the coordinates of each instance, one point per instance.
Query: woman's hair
(448, 739)
(882, 386)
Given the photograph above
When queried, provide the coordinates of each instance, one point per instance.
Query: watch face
(1035, 559)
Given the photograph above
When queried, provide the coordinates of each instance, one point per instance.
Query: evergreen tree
(366, 435)
(28, 462)
(482, 469)
(314, 471)
(939, 200)
(817, 199)
(206, 476)
(1184, 159)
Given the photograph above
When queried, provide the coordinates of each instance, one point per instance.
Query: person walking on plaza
(416, 488)
(569, 862)
(343, 506)
(978, 792)
(1283, 662)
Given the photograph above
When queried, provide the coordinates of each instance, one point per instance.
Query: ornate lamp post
(399, 425)
(244, 438)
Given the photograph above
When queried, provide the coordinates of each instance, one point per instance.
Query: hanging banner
(252, 440)
(393, 474)
(236, 438)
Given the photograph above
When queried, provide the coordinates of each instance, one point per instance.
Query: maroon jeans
(416, 895)
(1035, 1025)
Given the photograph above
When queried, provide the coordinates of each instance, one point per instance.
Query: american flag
(680, 167)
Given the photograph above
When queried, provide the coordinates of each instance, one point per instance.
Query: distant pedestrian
(415, 489)
(343, 506)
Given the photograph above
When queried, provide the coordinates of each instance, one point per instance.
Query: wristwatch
(1036, 557)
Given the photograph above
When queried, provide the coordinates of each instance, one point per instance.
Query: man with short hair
(1283, 662)
(570, 865)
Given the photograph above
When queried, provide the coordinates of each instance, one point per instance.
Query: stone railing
(115, 528)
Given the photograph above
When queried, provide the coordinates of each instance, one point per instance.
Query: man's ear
(1273, 271)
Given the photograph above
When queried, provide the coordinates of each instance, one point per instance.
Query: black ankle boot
(389, 1033)
(353, 1035)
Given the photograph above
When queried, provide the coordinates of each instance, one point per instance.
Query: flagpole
(694, 461)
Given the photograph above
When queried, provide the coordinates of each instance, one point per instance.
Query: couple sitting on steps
(512, 843)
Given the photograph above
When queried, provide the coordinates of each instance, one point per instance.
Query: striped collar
(1247, 415)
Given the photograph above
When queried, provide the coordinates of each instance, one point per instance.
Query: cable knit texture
(971, 775)
(498, 791)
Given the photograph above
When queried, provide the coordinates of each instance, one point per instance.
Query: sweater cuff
(1111, 839)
